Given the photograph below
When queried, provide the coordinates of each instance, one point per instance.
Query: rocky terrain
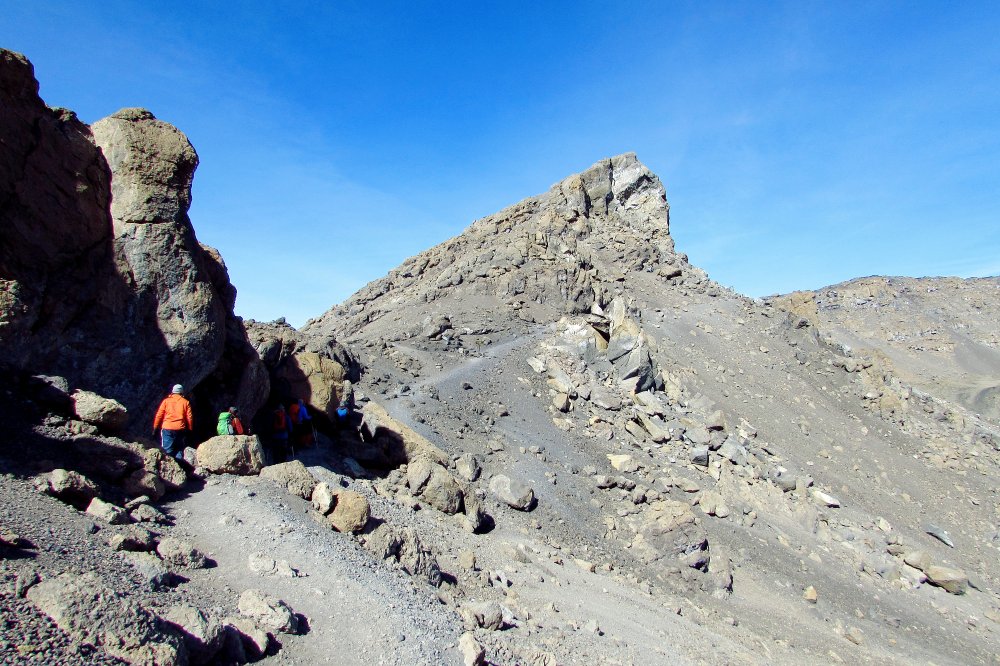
(940, 335)
(570, 445)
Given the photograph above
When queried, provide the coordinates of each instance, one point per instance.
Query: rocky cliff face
(102, 280)
(310, 368)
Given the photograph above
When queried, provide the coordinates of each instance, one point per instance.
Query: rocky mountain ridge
(658, 390)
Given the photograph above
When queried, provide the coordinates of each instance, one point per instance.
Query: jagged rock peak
(620, 191)
(565, 250)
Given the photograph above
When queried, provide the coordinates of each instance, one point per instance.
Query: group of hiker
(292, 428)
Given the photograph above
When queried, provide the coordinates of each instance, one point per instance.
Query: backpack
(225, 426)
(279, 421)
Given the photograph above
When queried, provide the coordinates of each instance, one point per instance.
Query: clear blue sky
(801, 143)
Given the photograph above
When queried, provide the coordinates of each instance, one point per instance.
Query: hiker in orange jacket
(173, 419)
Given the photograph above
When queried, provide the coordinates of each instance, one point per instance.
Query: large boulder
(203, 636)
(232, 454)
(179, 553)
(293, 476)
(269, 612)
(350, 513)
(90, 612)
(947, 578)
(405, 548)
(71, 487)
(103, 412)
(513, 493)
(435, 485)
(387, 442)
(168, 469)
(109, 513)
(152, 165)
(671, 532)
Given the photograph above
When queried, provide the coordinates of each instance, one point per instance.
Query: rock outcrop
(90, 612)
(312, 368)
(102, 280)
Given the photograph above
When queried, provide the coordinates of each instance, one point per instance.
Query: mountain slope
(681, 439)
(942, 335)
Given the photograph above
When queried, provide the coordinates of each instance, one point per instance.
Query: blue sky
(801, 143)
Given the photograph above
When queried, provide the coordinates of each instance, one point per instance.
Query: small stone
(486, 614)
(810, 595)
(203, 636)
(323, 498)
(109, 513)
(176, 552)
(826, 499)
(473, 653)
(687, 485)
(917, 559)
(253, 640)
(262, 564)
(513, 493)
(267, 611)
(70, 487)
(133, 538)
(939, 534)
(467, 560)
(468, 467)
(25, 581)
(623, 463)
(144, 513)
(951, 580)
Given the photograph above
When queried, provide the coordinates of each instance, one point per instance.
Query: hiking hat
(178, 389)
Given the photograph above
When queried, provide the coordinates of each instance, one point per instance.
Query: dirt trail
(358, 610)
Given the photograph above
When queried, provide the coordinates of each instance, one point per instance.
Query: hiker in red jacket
(281, 427)
(173, 419)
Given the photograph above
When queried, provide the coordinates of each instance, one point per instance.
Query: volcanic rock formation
(103, 280)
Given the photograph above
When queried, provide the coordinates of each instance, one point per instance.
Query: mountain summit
(564, 251)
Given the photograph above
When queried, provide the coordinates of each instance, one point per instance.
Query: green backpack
(225, 426)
